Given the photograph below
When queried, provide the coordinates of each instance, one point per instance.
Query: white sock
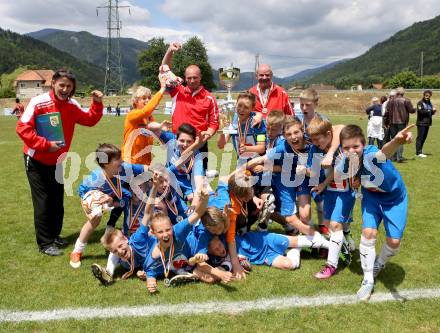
(112, 263)
(316, 241)
(336, 239)
(367, 251)
(79, 246)
(294, 256)
(386, 253)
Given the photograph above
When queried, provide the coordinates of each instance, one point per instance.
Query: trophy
(229, 76)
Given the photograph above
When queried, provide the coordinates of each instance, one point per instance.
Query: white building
(33, 82)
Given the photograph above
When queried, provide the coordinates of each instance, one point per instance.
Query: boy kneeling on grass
(112, 178)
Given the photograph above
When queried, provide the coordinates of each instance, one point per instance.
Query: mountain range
(85, 46)
(23, 51)
(400, 52)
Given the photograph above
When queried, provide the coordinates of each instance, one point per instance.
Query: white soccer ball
(91, 203)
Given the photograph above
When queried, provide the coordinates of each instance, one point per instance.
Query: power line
(113, 68)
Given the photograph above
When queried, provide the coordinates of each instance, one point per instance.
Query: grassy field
(31, 281)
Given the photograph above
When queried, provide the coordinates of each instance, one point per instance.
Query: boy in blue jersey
(384, 198)
(183, 158)
(249, 141)
(130, 252)
(290, 154)
(109, 178)
(172, 248)
(339, 198)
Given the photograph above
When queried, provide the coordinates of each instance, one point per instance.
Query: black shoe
(52, 250)
(102, 275)
(60, 242)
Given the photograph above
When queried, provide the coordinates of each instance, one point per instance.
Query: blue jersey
(261, 248)
(219, 199)
(284, 155)
(140, 243)
(253, 135)
(301, 118)
(380, 178)
(176, 207)
(184, 174)
(97, 181)
(133, 215)
(183, 250)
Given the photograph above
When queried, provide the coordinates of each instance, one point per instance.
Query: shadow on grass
(391, 277)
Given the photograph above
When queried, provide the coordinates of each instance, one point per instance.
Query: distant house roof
(42, 75)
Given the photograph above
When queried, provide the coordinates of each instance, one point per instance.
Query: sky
(290, 35)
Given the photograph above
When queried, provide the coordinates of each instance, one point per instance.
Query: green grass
(31, 281)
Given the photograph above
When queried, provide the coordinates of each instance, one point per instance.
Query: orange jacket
(136, 148)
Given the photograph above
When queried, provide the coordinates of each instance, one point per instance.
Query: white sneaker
(365, 291)
(422, 155)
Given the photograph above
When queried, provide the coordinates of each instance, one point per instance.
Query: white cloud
(295, 34)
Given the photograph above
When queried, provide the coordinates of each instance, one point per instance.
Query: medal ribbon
(132, 220)
(243, 208)
(117, 190)
(166, 267)
(241, 136)
(172, 207)
(130, 272)
(263, 99)
(184, 169)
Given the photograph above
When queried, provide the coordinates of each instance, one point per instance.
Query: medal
(179, 219)
(264, 98)
(122, 203)
(167, 266)
(167, 282)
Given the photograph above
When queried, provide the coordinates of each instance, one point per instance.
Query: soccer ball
(91, 205)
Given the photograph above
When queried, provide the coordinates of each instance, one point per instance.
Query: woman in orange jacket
(138, 141)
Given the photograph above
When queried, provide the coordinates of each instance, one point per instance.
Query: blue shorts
(261, 248)
(304, 189)
(285, 202)
(338, 206)
(393, 213)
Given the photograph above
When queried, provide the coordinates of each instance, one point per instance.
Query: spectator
(425, 110)
(396, 117)
(375, 126)
(118, 110)
(18, 108)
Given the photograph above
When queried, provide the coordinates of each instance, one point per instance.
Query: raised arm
(200, 208)
(168, 57)
(328, 158)
(403, 137)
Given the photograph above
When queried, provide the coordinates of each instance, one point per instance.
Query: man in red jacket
(270, 96)
(41, 156)
(193, 104)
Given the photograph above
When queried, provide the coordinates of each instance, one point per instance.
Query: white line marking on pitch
(211, 307)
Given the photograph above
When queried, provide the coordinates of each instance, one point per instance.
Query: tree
(193, 52)
(405, 79)
(149, 62)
